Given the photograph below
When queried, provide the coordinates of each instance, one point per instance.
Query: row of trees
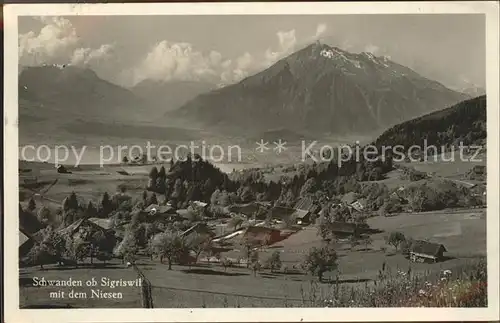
(55, 246)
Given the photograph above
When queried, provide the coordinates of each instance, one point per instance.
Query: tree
(160, 186)
(44, 215)
(214, 198)
(125, 160)
(321, 260)
(367, 241)
(256, 266)
(73, 201)
(274, 262)
(106, 205)
(226, 262)
(54, 243)
(102, 244)
(152, 199)
(309, 186)
(395, 239)
(65, 204)
(162, 173)
(77, 249)
(39, 255)
(127, 249)
(406, 246)
(31, 204)
(170, 245)
(199, 243)
(91, 210)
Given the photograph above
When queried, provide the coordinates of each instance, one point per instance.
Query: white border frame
(14, 314)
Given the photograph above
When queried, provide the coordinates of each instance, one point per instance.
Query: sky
(224, 49)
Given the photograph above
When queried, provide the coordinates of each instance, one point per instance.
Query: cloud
(287, 41)
(176, 61)
(57, 42)
(168, 61)
(375, 50)
(320, 30)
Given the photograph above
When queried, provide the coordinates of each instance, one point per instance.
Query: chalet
(155, 209)
(104, 224)
(349, 198)
(344, 229)
(479, 170)
(304, 209)
(478, 190)
(199, 204)
(420, 251)
(185, 214)
(262, 236)
(248, 209)
(399, 194)
(307, 204)
(281, 213)
(301, 216)
(82, 227)
(359, 205)
(200, 228)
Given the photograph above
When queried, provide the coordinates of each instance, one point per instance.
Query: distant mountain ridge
(323, 89)
(170, 95)
(464, 122)
(69, 92)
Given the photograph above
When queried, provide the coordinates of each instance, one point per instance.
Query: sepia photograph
(239, 156)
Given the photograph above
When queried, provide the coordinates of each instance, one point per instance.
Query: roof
(246, 209)
(300, 214)
(306, 204)
(344, 227)
(184, 213)
(260, 234)
(105, 224)
(202, 228)
(155, 209)
(350, 198)
(281, 213)
(200, 204)
(359, 205)
(479, 169)
(73, 227)
(427, 248)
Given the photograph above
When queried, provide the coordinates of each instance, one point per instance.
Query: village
(224, 233)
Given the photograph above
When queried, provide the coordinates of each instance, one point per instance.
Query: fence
(165, 297)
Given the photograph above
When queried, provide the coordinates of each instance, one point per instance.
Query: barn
(261, 236)
(344, 229)
(421, 251)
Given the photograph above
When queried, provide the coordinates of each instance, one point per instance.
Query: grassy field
(462, 232)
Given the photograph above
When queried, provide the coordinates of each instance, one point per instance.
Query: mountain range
(170, 95)
(318, 89)
(67, 92)
(464, 122)
(323, 89)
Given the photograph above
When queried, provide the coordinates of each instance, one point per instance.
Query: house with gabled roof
(421, 251)
(261, 236)
(344, 229)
